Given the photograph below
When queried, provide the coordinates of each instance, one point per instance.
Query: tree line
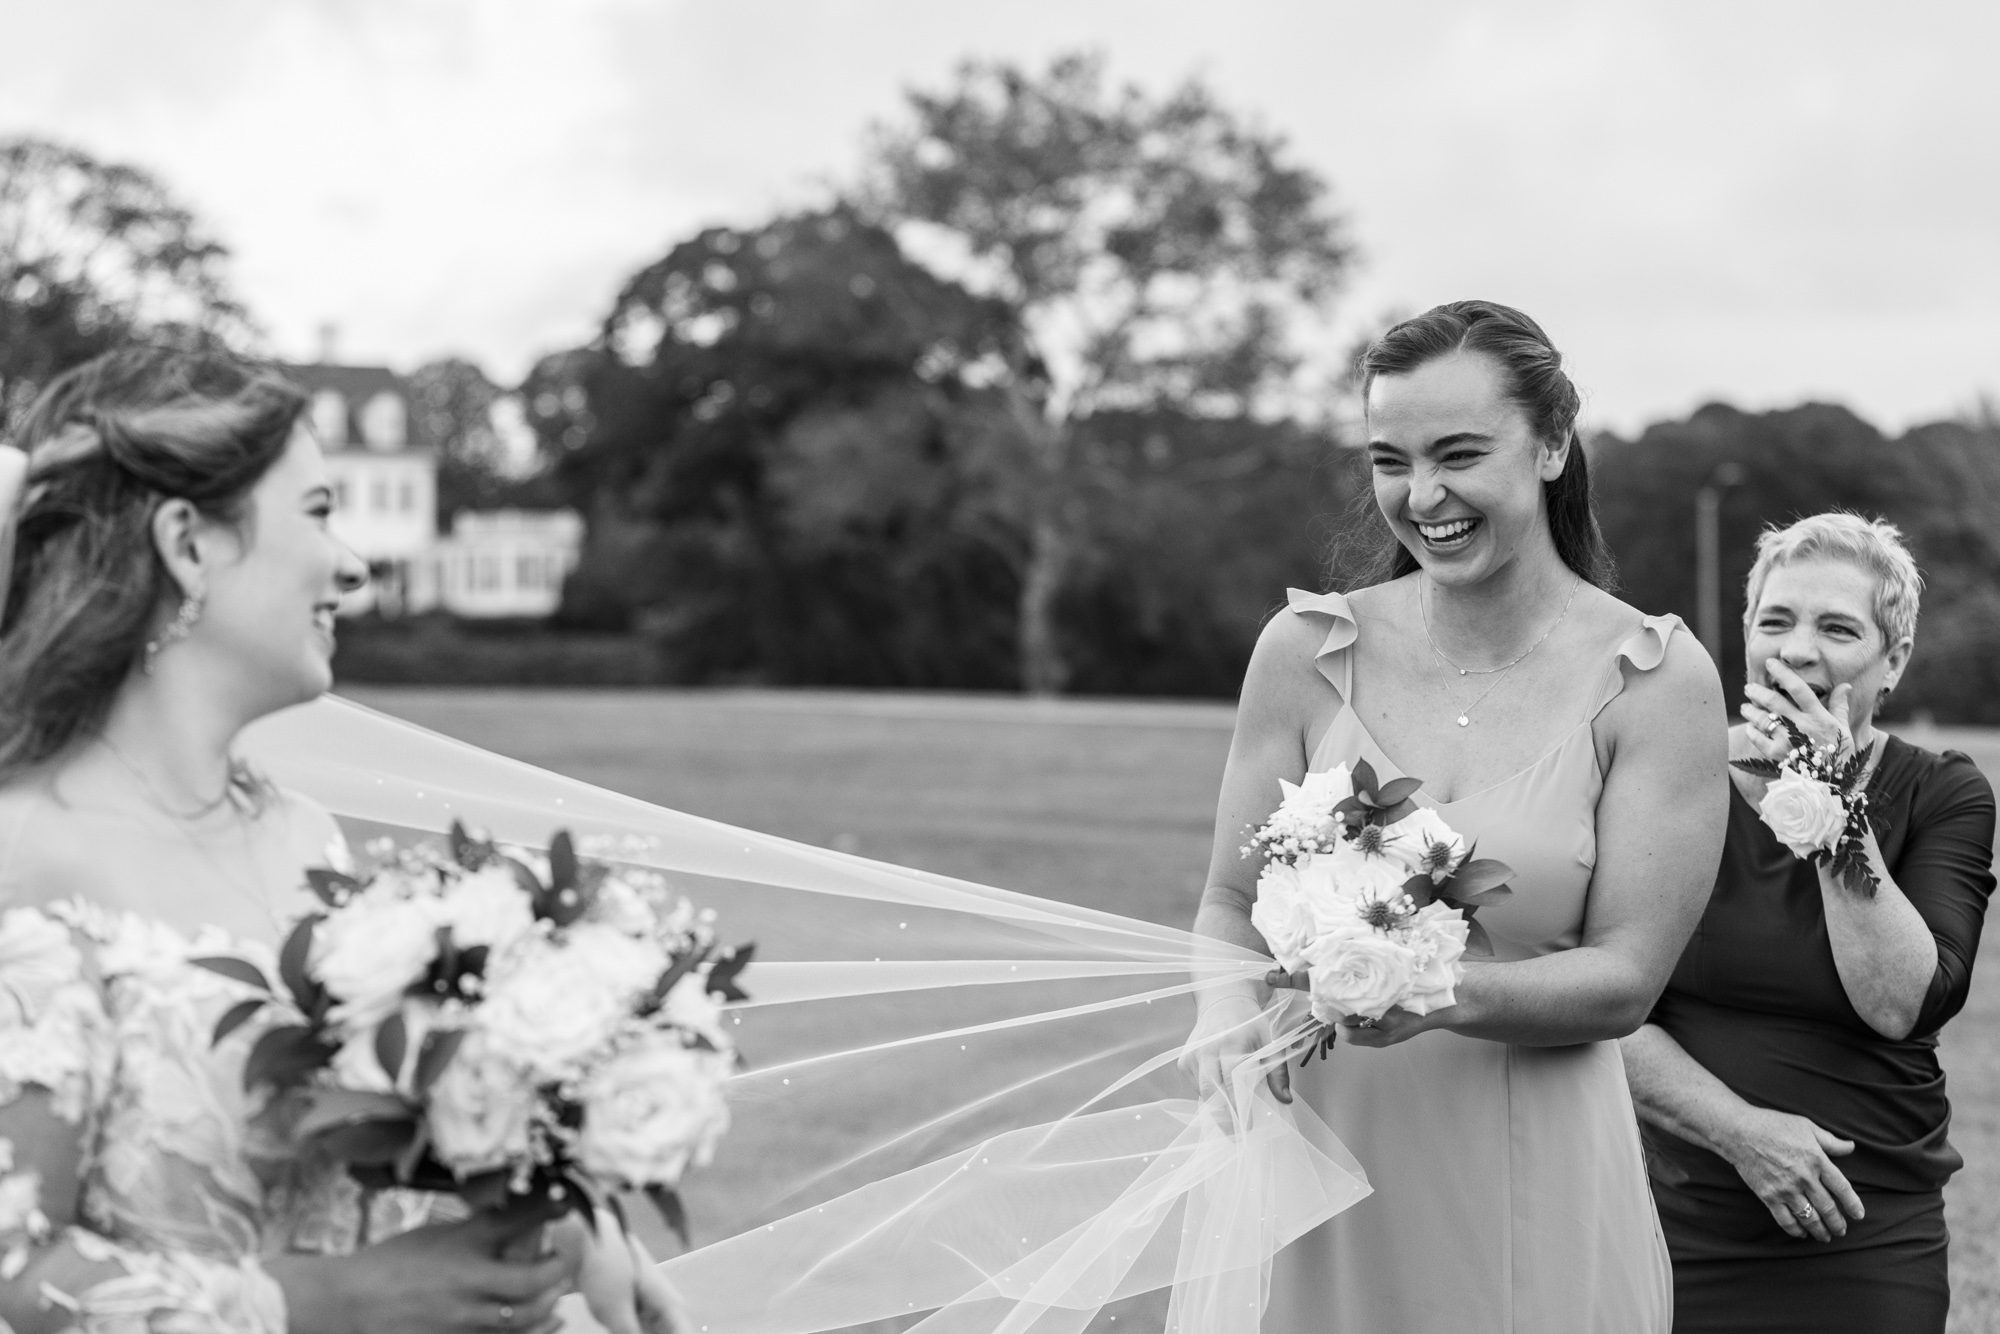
(1023, 406)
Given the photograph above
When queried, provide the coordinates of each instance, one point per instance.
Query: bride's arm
(1660, 824)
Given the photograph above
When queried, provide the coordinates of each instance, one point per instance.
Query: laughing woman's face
(1817, 616)
(1458, 470)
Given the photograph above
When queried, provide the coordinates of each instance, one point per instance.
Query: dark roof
(358, 385)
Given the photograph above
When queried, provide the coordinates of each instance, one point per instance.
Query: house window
(406, 496)
(378, 494)
(487, 574)
(527, 571)
(340, 493)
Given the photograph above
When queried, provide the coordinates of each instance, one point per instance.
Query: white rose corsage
(1816, 803)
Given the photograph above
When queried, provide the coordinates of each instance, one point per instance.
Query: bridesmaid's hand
(1398, 1025)
(1788, 1161)
(1231, 1030)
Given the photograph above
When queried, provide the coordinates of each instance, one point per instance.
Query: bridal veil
(961, 1110)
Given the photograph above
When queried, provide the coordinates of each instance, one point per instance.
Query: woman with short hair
(1788, 1080)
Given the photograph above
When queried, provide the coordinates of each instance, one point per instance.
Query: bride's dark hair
(1536, 381)
(107, 443)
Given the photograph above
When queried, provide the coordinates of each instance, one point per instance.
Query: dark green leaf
(1477, 877)
(292, 964)
(333, 887)
(285, 1056)
(469, 852)
(369, 1142)
(1421, 889)
(330, 1108)
(392, 1044)
(1397, 790)
(671, 1212)
(1365, 783)
(1477, 943)
(487, 1191)
(237, 970)
(562, 861)
(1759, 766)
(1483, 898)
(722, 977)
(235, 1017)
(435, 1053)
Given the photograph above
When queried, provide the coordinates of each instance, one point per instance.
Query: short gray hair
(1875, 545)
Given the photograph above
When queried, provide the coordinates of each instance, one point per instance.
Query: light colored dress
(184, 1186)
(1510, 1194)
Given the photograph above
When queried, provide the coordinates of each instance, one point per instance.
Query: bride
(961, 1100)
(166, 578)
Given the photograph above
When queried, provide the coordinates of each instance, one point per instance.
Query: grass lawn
(1103, 803)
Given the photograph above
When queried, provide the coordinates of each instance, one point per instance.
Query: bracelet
(1817, 805)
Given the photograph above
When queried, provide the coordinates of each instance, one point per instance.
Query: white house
(384, 476)
(507, 562)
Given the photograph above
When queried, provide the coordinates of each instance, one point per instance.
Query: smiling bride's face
(1459, 473)
(271, 611)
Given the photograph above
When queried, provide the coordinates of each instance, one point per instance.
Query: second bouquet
(1366, 898)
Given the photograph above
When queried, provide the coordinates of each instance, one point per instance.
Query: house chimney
(329, 338)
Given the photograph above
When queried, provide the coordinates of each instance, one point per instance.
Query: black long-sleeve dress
(1756, 999)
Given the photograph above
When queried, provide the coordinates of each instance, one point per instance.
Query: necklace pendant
(1464, 721)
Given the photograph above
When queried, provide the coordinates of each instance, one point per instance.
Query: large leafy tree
(777, 437)
(454, 404)
(1160, 251)
(91, 253)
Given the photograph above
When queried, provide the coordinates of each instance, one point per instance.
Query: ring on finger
(506, 1314)
(1364, 1022)
(1805, 1213)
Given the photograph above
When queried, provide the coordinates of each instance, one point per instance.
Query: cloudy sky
(1760, 202)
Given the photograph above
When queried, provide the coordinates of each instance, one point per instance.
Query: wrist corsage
(1817, 805)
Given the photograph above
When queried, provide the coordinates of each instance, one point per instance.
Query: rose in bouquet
(1816, 803)
(520, 1030)
(1367, 899)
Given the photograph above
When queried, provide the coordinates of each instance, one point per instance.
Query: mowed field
(1108, 804)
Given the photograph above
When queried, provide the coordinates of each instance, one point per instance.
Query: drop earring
(177, 629)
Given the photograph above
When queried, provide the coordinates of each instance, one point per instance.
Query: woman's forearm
(1676, 1093)
(1224, 915)
(1882, 948)
(1586, 994)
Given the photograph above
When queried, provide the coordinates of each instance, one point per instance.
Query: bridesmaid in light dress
(1573, 738)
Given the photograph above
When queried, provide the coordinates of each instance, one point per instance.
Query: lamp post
(1708, 554)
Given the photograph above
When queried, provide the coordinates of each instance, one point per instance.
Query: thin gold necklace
(238, 795)
(1499, 673)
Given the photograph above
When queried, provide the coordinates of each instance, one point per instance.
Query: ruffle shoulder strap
(1645, 649)
(1331, 657)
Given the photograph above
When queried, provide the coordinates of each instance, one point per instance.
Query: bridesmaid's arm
(1280, 690)
(1660, 822)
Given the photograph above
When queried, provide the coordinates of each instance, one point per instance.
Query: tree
(1159, 252)
(453, 403)
(92, 253)
(774, 437)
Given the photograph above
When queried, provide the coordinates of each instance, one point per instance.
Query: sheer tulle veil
(961, 1110)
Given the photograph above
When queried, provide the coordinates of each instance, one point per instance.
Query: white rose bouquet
(519, 1030)
(1367, 899)
(1816, 802)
